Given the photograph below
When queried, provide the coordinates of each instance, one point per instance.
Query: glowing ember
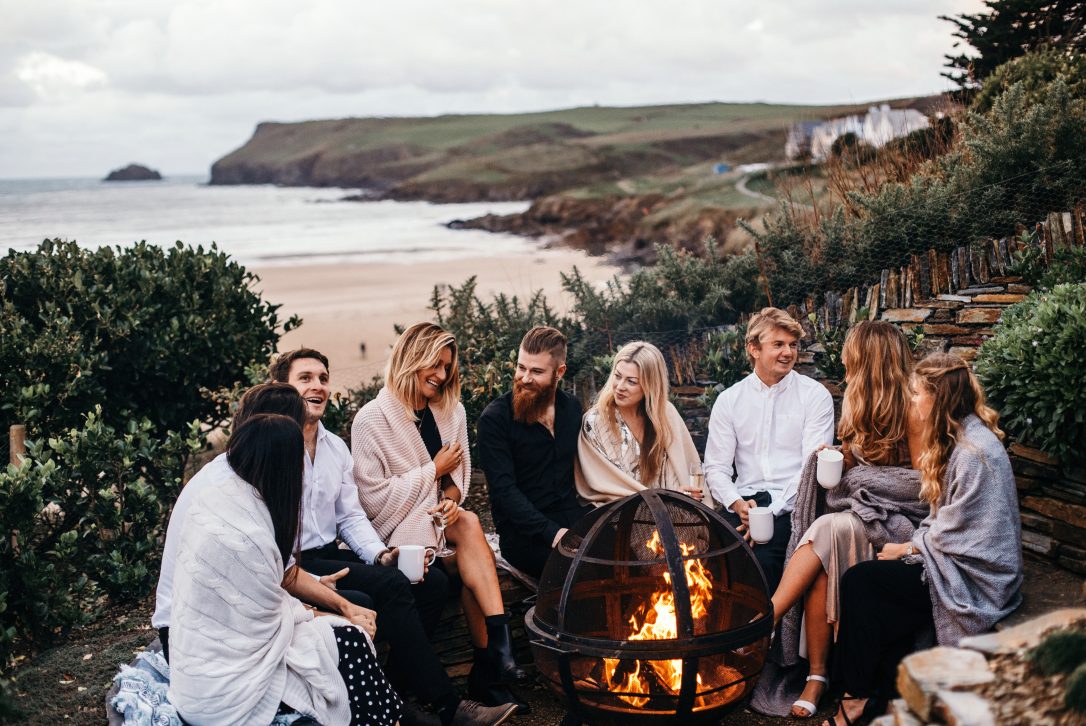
(658, 621)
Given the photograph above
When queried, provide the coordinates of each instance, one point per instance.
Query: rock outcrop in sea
(134, 172)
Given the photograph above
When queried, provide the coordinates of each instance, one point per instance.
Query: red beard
(530, 403)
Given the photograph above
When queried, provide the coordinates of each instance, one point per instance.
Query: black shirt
(427, 427)
(528, 471)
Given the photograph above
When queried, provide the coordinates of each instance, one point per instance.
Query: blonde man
(766, 426)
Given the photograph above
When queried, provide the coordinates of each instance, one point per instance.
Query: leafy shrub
(1075, 695)
(163, 334)
(1067, 265)
(1060, 652)
(1026, 367)
(1035, 71)
(83, 516)
(339, 416)
(724, 361)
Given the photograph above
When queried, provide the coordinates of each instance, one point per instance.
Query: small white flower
(1029, 421)
(1035, 344)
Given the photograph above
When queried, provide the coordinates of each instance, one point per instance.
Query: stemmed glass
(440, 521)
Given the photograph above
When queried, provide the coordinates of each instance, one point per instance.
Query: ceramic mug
(831, 463)
(760, 520)
(413, 561)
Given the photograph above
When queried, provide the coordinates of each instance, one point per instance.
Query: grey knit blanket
(886, 500)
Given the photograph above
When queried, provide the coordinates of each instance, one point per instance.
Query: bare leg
(475, 562)
(851, 709)
(472, 614)
(819, 634)
(799, 575)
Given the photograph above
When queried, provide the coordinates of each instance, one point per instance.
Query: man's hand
(388, 558)
(742, 507)
(362, 617)
(559, 536)
(330, 581)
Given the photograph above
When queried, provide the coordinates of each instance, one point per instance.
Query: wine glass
(440, 522)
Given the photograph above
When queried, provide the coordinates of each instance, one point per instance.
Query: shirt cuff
(370, 552)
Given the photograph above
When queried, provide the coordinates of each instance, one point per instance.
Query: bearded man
(527, 442)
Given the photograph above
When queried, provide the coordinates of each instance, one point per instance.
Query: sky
(87, 86)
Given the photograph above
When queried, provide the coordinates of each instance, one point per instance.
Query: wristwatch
(911, 550)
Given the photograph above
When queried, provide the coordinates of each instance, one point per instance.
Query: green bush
(724, 361)
(1031, 367)
(84, 515)
(339, 416)
(1067, 265)
(164, 334)
(1035, 71)
(1075, 695)
(1060, 652)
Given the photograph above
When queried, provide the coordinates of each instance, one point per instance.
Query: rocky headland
(134, 172)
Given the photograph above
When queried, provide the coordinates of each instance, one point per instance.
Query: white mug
(413, 561)
(761, 524)
(831, 463)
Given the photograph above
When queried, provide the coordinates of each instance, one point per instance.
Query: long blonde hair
(874, 413)
(420, 347)
(652, 375)
(955, 393)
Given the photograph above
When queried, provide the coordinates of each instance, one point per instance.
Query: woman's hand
(895, 551)
(694, 492)
(362, 617)
(329, 581)
(448, 509)
(448, 459)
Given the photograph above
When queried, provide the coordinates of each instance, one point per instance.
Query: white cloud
(83, 80)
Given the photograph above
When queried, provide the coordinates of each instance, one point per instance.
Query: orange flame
(659, 621)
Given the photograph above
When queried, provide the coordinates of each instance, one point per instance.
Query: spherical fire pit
(651, 609)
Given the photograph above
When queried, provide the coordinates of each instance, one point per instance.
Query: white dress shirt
(767, 432)
(330, 501)
(215, 471)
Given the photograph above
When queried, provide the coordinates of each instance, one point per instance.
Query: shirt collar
(321, 431)
(758, 385)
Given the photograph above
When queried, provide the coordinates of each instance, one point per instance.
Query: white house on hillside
(877, 128)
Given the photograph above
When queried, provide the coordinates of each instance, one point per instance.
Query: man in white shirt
(406, 614)
(766, 425)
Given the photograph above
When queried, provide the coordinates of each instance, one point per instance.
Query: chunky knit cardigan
(394, 472)
(239, 643)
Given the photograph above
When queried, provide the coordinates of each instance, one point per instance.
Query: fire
(659, 621)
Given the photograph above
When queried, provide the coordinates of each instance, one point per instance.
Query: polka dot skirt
(373, 702)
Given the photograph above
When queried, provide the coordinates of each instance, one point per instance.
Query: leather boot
(485, 687)
(473, 713)
(499, 650)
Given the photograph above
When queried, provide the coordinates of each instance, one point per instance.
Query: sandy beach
(344, 305)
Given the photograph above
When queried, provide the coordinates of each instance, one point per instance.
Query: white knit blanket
(239, 643)
(394, 472)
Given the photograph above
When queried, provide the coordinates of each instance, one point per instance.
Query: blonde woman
(961, 570)
(633, 438)
(878, 428)
(412, 468)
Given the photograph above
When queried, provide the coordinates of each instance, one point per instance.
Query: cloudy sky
(89, 85)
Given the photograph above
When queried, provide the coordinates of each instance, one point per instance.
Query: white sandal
(811, 708)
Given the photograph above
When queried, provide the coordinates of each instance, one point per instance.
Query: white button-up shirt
(767, 432)
(330, 501)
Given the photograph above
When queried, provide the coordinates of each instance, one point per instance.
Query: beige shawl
(394, 472)
(608, 465)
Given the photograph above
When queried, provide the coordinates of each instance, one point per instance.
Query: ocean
(258, 225)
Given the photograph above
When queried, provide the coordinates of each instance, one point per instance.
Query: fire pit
(651, 609)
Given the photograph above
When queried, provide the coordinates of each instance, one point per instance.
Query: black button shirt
(528, 471)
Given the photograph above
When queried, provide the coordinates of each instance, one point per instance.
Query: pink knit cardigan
(394, 472)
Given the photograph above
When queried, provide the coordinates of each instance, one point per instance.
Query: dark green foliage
(724, 361)
(1009, 29)
(1035, 71)
(163, 333)
(83, 516)
(1075, 696)
(1060, 652)
(830, 341)
(1028, 367)
(1067, 265)
(9, 709)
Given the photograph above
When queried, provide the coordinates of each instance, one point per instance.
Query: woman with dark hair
(242, 647)
(962, 570)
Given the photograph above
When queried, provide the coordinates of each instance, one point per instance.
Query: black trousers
(406, 616)
(771, 554)
(529, 554)
(884, 607)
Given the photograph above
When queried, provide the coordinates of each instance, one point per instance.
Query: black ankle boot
(499, 650)
(485, 687)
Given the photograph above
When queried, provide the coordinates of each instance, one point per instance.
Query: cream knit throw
(239, 643)
(394, 472)
(601, 476)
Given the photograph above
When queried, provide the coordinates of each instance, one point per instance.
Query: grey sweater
(971, 543)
